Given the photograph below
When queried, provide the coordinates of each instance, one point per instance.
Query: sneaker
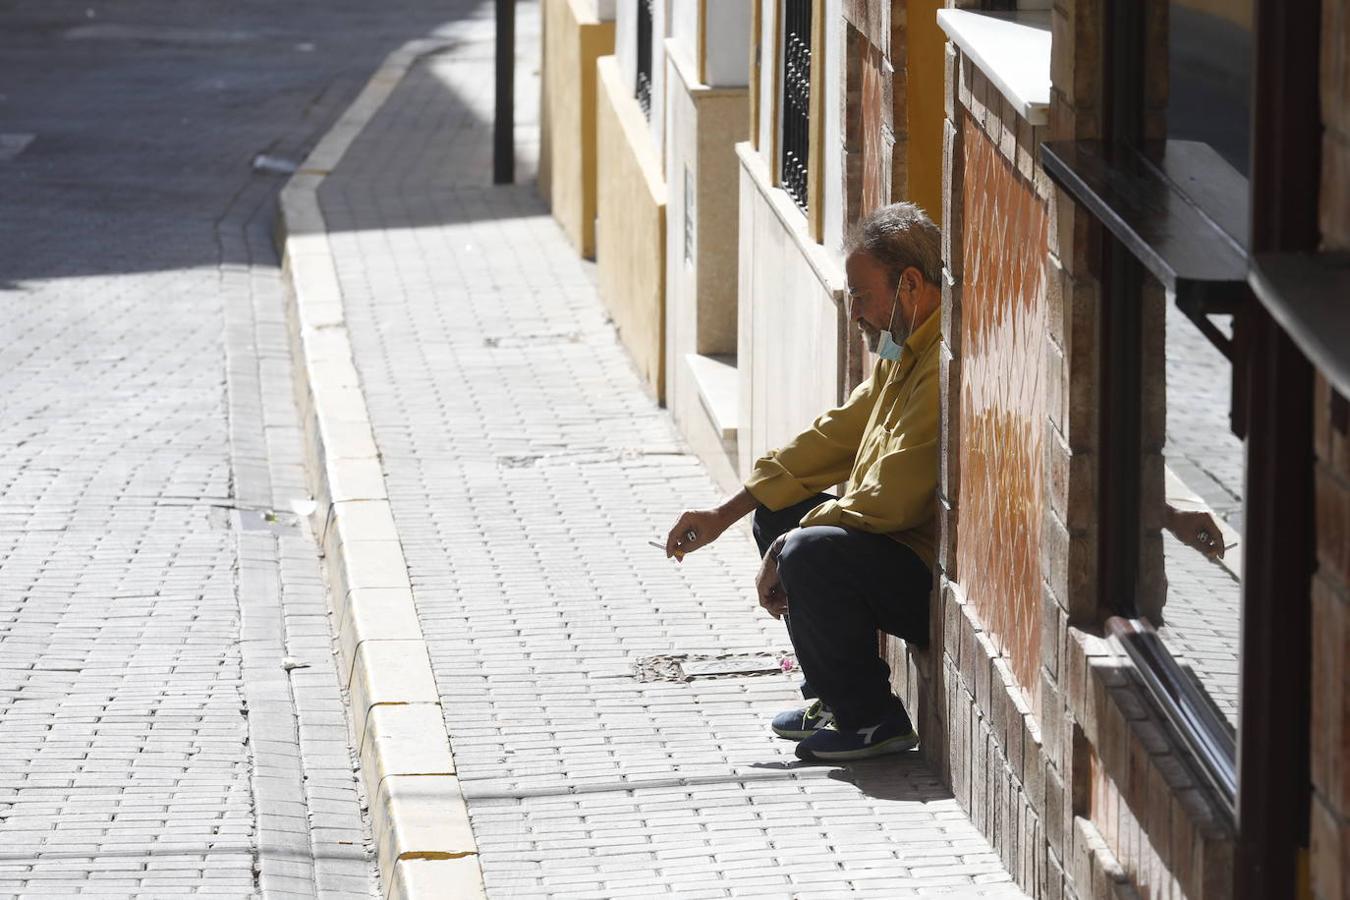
(798, 724)
(893, 735)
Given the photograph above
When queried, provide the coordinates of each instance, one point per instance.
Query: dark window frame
(642, 88)
(795, 108)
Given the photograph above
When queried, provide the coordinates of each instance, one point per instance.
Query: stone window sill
(1013, 52)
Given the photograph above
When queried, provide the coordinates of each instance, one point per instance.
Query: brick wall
(986, 682)
(1330, 826)
(1051, 743)
(1331, 649)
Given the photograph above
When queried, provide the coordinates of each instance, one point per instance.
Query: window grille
(688, 216)
(796, 99)
(644, 57)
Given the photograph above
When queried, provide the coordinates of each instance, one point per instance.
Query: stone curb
(420, 818)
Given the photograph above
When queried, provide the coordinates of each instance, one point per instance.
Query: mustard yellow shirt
(884, 440)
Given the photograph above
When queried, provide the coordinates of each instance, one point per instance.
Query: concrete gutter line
(420, 818)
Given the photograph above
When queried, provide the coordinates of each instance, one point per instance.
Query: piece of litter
(787, 664)
(290, 663)
(304, 508)
(274, 165)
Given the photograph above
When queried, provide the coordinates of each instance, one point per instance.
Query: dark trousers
(843, 585)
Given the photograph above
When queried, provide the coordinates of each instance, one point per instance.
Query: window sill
(1180, 210)
(1013, 52)
(1305, 293)
(719, 386)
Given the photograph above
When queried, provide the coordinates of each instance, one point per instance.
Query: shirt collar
(926, 335)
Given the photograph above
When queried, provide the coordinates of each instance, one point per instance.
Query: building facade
(576, 33)
(1145, 208)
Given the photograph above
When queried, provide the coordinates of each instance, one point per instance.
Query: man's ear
(911, 280)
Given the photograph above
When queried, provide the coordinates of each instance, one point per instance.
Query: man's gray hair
(899, 236)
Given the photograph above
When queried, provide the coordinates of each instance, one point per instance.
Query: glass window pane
(1205, 476)
(1209, 76)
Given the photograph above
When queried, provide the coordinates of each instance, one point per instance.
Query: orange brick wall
(1002, 401)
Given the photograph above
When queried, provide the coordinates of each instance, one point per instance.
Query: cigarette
(679, 554)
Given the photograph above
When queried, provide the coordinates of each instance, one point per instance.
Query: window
(643, 90)
(1209, 64)
(796, 125)
(1190, 238)
(1200, 229)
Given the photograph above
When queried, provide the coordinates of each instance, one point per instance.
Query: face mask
(887, 348)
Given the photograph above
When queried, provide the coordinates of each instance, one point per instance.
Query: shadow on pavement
(146, 117)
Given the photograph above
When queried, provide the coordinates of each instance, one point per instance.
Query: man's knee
(810, 556)
(769, 525)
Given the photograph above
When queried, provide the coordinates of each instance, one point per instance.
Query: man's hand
(693, 529)
(1196, 529)
(697, 528)
(770, 590)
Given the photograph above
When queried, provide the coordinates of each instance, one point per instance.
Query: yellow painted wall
(573, 40)
(925, 46)
(631, 231)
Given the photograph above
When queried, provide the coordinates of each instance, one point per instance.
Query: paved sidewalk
(527, 470)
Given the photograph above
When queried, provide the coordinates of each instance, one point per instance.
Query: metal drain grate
(687, 667)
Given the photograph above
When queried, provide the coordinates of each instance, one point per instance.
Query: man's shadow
(902, 777)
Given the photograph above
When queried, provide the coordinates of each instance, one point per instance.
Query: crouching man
(839, 569)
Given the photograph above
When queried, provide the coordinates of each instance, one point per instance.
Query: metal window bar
(643, 90)
(796, 141)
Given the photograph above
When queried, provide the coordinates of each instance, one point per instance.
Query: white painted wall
(684, 30)
(768, 74)
(789, 321)
(625, 38)
(728, 37)
(728, 63)
(832, 139)
(604, 10)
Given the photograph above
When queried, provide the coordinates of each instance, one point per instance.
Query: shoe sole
(794, 735)
(898, 744)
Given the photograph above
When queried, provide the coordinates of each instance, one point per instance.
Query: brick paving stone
(527, 469)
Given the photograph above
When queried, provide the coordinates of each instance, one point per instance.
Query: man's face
(871, 297)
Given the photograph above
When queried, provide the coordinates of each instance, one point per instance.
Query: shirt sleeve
(897, 492)
(819, 457)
